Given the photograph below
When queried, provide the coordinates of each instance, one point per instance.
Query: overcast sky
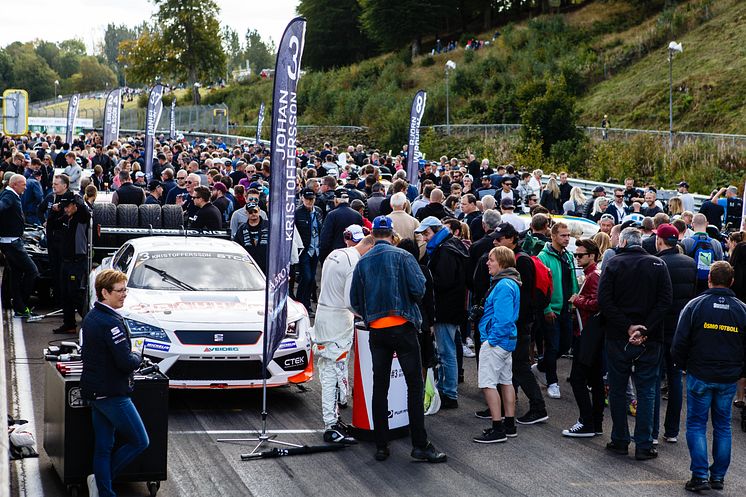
(87, 20)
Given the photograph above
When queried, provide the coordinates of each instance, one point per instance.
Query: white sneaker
(671, 440)
(655, 441)
(92, 487)
(553, 391)
(540, 377)
(468, 352)
(469, 342)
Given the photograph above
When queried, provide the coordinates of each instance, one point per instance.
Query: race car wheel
(151, 216)
(172, 216)
(127, 216)
(104, 215)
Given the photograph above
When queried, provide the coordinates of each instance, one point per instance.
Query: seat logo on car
(221, 349)
(217, 337)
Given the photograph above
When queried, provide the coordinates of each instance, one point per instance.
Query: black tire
(104, 215)
(127, 216)
(172, 216)
(151, 216)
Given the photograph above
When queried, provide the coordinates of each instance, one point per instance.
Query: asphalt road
(539, 462)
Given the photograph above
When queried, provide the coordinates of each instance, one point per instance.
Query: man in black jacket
(710, 344)
(253, 235)
(23, 271)
(683, 272)
(208, 216)
(634, 294)
(50, 210)
(106, 382)
(435, 208)
(335, 223)
(308, 222)
(447, 261)
(128, 193)
(74, 253)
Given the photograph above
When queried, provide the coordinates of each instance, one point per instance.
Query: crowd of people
(466, 261)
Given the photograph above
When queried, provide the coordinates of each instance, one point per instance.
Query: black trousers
(72, 289)
(384, 342)
(522, 375)
(23, 273)
(590, 404)
(55, 269)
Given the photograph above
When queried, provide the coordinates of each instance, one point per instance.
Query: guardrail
(4, 442)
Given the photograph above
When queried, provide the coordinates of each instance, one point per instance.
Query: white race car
(198, 305)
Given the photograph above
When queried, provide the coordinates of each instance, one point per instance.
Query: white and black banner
(172, 129)
(72, 113)
(112, 115)
(282, 183)
(413, 148)
(259, 123)
(152, 116)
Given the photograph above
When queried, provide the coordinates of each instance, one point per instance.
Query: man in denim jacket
(386, 285)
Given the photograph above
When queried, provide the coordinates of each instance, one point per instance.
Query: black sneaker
(491, 436)
(697, 485)
(645, 454)
(382, 453)
(511, 431)
(483, 414)
(337, 435)
(717, 483)
(532, 417)
(447, 402)
(429, 454)
(579, 430)
(616, 448)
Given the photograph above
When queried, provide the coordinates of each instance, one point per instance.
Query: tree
(259, 54)
(551, 117)
(232, 47)
(334, 36)
(73, 46)
(6, 69)
(393, 23)
(191, 36)
(30, 72)
(113, 36)
(146, 58)
(93, 76)
(50, 52)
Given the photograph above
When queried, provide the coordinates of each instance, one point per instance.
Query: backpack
(704, 255)
(541, 294)
(532, 245)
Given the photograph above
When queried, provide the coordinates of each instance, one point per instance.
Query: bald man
(435, 208)
(22, 270)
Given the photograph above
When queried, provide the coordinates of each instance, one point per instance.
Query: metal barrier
(4, 442)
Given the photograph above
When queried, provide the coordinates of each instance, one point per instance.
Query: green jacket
(551, 259)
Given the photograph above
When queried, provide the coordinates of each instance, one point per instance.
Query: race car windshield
(196, 271)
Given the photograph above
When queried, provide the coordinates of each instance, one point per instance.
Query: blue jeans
(621, 357)
(557, 341)
(701, 397)
(306, 277)
(675, 397)
(445, 339)
(110, 415)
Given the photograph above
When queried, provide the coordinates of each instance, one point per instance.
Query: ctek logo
(221, 349)
(295, 361)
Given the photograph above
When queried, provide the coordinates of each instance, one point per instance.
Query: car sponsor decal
(287, 345)
(164, 347)
(115, 332)
(221, 349)
(145, 308)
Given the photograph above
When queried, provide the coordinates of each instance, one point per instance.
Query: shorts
(495, 366)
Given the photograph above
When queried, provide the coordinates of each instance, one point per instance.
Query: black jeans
(384, 342)
(522, 375)
(23, 273)
(72, 289)
(590, 404)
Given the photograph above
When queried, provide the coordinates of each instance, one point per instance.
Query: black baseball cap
(252, 206)
(503, 230)
(307, 193)
(153, 185)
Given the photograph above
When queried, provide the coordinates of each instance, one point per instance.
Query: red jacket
(587, 300)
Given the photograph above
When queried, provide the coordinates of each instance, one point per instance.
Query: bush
(427, 62)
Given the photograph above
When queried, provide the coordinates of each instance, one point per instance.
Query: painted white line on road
(627, 482)
(241, 432)
(30, 475)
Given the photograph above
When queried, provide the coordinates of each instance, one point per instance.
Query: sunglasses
(619, 196)
(190, 182)
(579, 255)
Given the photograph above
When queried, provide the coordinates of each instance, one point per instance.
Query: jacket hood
(549, 250)
(455, 246)
(510, 273)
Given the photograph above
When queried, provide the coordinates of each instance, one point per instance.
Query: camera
(476, 312)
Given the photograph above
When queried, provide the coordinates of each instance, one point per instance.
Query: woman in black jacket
(426, 306)
(106, 382)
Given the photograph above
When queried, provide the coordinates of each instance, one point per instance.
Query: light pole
(450, 65)
(56, 88)
(673, 47)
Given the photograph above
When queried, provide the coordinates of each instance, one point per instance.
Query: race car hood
(201, 307)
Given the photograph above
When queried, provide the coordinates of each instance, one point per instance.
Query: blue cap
(428, 222)
(383, 223)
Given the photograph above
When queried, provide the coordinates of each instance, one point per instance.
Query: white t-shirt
(336, 277)
(518, 223)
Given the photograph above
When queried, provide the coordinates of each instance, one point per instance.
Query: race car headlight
(143, 330)
(292, 330)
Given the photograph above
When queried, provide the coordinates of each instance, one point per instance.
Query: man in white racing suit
(334, 329)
